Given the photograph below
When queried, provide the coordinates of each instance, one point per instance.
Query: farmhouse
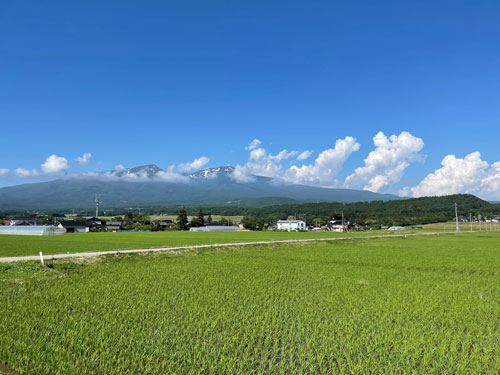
(20, 221)
(338, 225)
(81, 226)
(291, 225)
(74, 226)
(95, 222)
(164, 224)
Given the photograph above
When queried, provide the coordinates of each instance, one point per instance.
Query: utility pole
(97, 202)
(343, 228)
(470, 220)
(456, 217)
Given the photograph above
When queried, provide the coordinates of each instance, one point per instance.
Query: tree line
(396, 212)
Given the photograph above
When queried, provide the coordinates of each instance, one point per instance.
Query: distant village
(144, 223)
(201, 223)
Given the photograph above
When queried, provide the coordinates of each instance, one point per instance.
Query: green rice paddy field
(416, 305)
(12, 245)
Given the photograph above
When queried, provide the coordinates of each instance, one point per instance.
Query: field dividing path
(193, 247)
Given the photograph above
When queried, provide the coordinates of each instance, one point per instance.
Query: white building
(338, 225)
(291, 225)
(396, 228)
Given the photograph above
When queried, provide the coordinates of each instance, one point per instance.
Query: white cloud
(195, 164)
(283, 155)
(468, 175)
(490, 185)
(84, 159)
(241, 174)
(4, 172)
(326, 166)
(55, 164)
(169, 175)
(253, 145)
(119, 168)
(260, 163)
(21, 172)
(386, 164)
(304, 155)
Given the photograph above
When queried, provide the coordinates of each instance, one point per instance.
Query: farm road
(191, 247)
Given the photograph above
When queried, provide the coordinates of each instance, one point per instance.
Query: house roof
(73, 223)
(337, 221)
(289, 221)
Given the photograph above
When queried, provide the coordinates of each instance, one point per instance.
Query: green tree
(253, 223)
(201, 218)
(195, 222)
(209, 219)
(182, 220)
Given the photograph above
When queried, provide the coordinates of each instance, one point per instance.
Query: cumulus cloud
(326, 166)
(260, 163)
(283, 155)
(55, 164)
(253, 145)
(21, 172)
(304, 155)
(386, 164)
(490, 185)
(84, 159)
(119, 168)
(468, 175)
(169, 175)
(195, 164)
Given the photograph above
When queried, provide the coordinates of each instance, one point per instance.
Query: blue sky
(167, 82)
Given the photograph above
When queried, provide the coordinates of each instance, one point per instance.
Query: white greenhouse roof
(214, 228)
(31, 230)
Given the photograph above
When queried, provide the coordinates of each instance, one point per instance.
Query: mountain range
(146, 186)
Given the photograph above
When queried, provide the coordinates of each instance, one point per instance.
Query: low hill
(394, 212)
(144, 187)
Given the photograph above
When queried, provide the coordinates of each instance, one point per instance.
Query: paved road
(176, 248)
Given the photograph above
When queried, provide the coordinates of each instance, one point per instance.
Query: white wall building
(338, 225)
(396, 227)
(291, 225)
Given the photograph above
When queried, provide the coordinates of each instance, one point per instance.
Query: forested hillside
(396, 212)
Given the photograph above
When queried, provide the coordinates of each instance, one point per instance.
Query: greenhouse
(214, 228)
(31, 230)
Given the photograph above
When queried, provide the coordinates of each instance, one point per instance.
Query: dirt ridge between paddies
(191, 247)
